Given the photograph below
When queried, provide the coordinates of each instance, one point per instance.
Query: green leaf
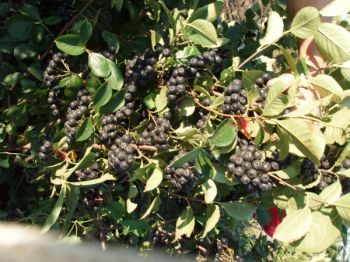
(4, 162)
(94, 182)
(111, 39)
(116, 209)
(306, 136)
(225, 134)
(161, 101)
(210, 191)
(24, 51)
(333, 41)
(99, 65)
(289, 172)
(115, 103)
(115, 79)
(336, 8)
(71, 81)
(70, 44)
(305, 22)
(276, 101)
(274, 29)
(188, 157)
(332, 193)
(343, 207)
(185, 224)
(31, 11)
(154, 180)
(103, 95)
(239, 210)
(209, 12)
(169, 15)
(295, 225)
(290, 59)
(72, 198)
(327, 85)
(202, 32)
(153, 206)
(85, 31)
(345, 70)
(323, 232)
(85, 131)
(117, 4)
(55, 212)
(86, 161)
(213, 217)
(187, 106)
(19, 27)
(131, 206)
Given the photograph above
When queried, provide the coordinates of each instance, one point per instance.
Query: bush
(168, 125)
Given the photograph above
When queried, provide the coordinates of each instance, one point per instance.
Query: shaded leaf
(239, 210)
(185, 223)
(213, 217)
(85, 130)
(225, 134)
(70, 44)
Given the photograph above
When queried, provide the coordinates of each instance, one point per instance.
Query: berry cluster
(310, 172)
(248, 167)
(182, 177)
(261, 83)
(51, 71)
(203, 117)
(121, 155)
(44, 150)
(207, 59)
(53, 100)
(76, 111)
(141, 69)
(162, 237)
(163, 50)
(87, 173)
(109, 130)
(157, 133)
(235, 99)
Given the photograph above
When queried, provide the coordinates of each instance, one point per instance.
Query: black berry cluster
(45, 149)
(53, 100)
(248, 167)
(52, 70)
(109, 130)
(157, 133)
(87, 173)
(235, 99)
(141, 69)
(177, 84)
(207, 59)
(121, 154)
(261, 83)
(163, 50)
(310, 172)
(76, 111)
(182, 177)
(162, 237)
(203, 117)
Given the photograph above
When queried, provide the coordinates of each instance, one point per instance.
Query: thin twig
(66, 27)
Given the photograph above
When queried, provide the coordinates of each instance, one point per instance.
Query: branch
(66, 26)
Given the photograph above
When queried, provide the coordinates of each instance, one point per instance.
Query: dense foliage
(170, 124)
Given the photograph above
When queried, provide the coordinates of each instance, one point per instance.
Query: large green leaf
(187, 106)
(334, 42)
(99, 65)
(323, 232)
(55, 212)
(111, 39)
(188, 157)
(295, 225)
(116, 102)
(331, 193)
(225, 134)
(345, 70)
(154, 180)
(70, 44)
(213, 217)
(185, 224)
(210, 191)
(274, 29)
(115, 79)
(307, 137)
(153, 206)
(239, 210)
(85, 130)
(336, 8)
(209, 12)
(103, 95)
(85, 31)
(305, 22)
(327, 85)
(276, 102)
(343, 207)
(202, 32)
